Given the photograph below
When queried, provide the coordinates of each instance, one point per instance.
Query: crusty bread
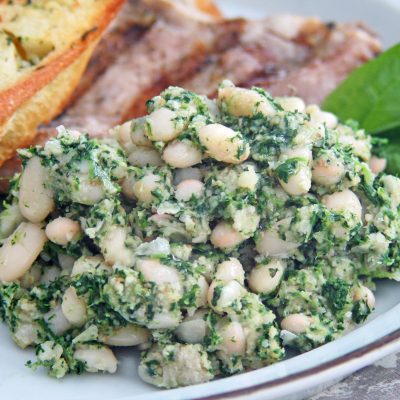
(209, 7)
(191, 10)
(20, 129)
(36, 83)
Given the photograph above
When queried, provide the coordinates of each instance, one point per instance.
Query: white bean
(56, 321)
(20, 250)
(138, 133)
(10, 218)
(327, 170)
(123, 135)
(296, 323)
(265, 278)
(248, 179)
(271, 245)
(188, 189)
(303, 152)
(377, 164)
(233, 339)
(187, 173)
(164, 320)
(291, 104)
(224, 236)
(142, 188)
(342, 201)
(130, 335)
(142, 156)
(392, 186)
(298, 183)
(74, 307)
(364, 293)
(154, 271)
(89, 192)
(244, 102)
(361, 147)
(114, 248)
(89, 264)
(192, 329)
(224, 144)
(180, 154)
(322, 117)
(161, 125)
(97, 358)
(35, 200)
(203, 292)
(63, 230)
(229, 292)
(230, 270)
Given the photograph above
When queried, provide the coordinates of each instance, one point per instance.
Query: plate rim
(387, 344)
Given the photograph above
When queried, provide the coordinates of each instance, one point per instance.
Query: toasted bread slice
(195, 10)
(44, 49)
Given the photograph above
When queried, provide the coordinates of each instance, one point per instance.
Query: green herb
(289, 167)
(273, 271)
(96, 171)
(152, 367)
(212, 339)
(189, 299)
(216, 295)
(391, 151)
(336, 293)
(360, 311)
(371, 94)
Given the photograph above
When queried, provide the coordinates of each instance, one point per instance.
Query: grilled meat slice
(168, 51)
(284, 54)
(187, 47)
(290, 55)
(344, 48)
(162, 57)
(169, 42)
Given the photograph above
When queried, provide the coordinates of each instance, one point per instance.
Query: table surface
(380, 381)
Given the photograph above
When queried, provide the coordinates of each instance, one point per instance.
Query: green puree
(149, 257)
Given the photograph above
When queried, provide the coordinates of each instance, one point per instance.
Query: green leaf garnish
(371, 94)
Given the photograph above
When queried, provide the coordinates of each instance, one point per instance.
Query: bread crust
(209, 7)
(20, 115)
(12, 98)
(20, 130)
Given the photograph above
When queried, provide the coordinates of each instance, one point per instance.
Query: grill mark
(226, 35)
(263, 53)
(105, 55)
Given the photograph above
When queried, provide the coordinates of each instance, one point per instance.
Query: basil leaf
(371, 94)
(391, 152)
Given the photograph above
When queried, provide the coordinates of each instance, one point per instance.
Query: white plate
(295, 378)
(381, 15)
